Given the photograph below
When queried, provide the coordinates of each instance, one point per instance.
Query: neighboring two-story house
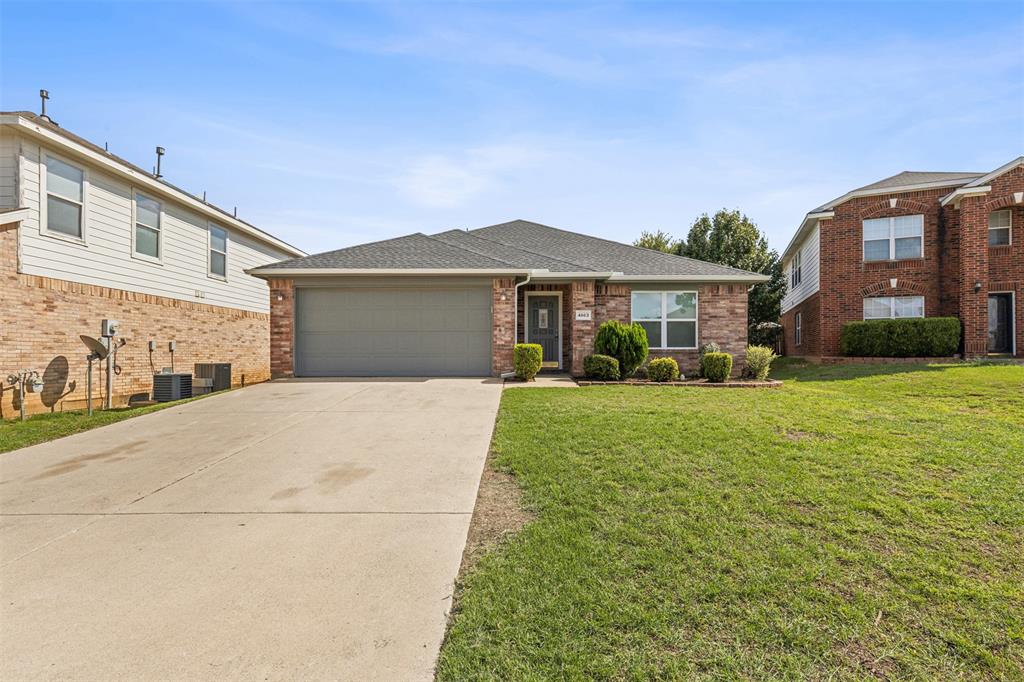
(84, 236)
(912, 245)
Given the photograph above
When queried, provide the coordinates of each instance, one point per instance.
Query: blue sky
(334, 124)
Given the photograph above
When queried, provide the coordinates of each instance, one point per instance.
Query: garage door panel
(393, 332)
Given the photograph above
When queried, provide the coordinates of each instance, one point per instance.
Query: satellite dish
(96, 346)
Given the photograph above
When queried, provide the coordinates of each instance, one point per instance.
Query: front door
(1000, 323)
(543, 327)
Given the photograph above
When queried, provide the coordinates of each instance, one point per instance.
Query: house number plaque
(584, 315)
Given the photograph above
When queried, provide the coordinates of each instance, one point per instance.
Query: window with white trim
(147, 226)
(798, 328)
(894, 238)
(1000, 225)
(796, 271)
(218, 251)
(65, 198)
(893, 307)
(668, 317)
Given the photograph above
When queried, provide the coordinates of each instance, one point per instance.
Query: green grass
(859, 522)
(40, 428)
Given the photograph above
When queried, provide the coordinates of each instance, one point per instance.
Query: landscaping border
(770, 383)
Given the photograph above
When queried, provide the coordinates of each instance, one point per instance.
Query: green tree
(730, 238)
(657, 241)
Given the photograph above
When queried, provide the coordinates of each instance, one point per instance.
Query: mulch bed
(701, 383)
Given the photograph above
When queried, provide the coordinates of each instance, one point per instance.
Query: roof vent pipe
(43, 96)
(159, 155)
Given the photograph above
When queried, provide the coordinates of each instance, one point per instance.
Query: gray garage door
(393, 332)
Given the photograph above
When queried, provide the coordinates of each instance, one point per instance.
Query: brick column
(974, 269)
(282, 328)
(581, 296)
(503, 311)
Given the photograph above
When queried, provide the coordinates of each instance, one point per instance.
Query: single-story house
(455, 303)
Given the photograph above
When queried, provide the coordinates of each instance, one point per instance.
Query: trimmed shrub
(759, 362)
(601, 367)
(627, 343)
(527, 358)
(919, 337)
(711, 347)
(716, 367)
(663, 369)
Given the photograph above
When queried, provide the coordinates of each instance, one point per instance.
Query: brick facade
(722, 318)
(956, 258)
(43, 318)
(810, 328)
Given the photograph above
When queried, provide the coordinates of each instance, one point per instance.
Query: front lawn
(859, 522)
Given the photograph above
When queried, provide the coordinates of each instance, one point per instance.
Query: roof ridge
(526, 251)
(489, 256)
(631, 246)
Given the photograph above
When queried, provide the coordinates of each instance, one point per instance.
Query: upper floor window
(893, 307)
(668, 317)
(65, 198)
(999, 227)
(796, 273)
(218, 251)
(894, 238)
(147, 226)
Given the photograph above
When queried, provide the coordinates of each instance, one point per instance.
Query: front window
(798, 328)
(893, 307)
(796, 270)
(147, 226)
(668, 317)
(894, 238)
(65, 196)
(999, 227)
(218, 251)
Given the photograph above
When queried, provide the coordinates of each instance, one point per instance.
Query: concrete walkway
(299, 529)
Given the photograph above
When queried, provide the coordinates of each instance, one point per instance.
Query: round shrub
(759, 361)
(711, 347)
(627, 343)
(527, 358)
(716, 367)
(663, 369)
(601, 367)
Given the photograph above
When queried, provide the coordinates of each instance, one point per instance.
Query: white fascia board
(956, 195)
(810, 220)
(1019, 161)
(709, 279)
(14, 215)
(139, 179)
(379, 271)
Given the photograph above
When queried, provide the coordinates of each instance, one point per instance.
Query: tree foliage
(657, 241)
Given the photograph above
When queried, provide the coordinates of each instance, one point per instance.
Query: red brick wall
(582, 294)
(810, 328)
(43, 318)
(1006, 263)
(282, 328)
(503, 309)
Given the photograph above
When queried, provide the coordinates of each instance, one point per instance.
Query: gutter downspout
(515, 318)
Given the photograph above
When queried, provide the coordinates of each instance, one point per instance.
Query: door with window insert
(544, 327)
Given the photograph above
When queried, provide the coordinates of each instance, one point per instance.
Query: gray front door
(544, 327)
(1000, 323)
(400, 331)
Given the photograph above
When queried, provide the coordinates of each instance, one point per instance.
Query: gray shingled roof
(515, 246)
(919, 178)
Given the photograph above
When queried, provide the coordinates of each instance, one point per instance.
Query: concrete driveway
(300, 529)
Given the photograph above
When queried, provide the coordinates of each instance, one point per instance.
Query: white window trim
(892, 309)
(159, 260)
(798, 321)
(796, 274)
(1008, 228)
(210, 250)
(44, 194)
(892, 240)
(558, 318)
(664, 317)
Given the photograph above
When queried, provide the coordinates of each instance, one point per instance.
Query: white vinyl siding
(809, 272)
(894, 238)
(893, 307)
(8, 170)
(105, 259)
(1000, 227)
(668, 317)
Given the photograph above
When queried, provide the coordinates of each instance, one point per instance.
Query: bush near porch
(861, 521)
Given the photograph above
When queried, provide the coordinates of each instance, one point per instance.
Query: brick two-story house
(912, 245)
